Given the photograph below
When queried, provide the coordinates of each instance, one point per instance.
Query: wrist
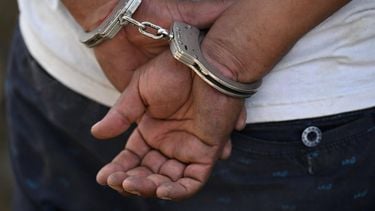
(88, 13)
(224, 56)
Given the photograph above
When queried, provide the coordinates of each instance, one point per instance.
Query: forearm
(253, 35)
(89, 13)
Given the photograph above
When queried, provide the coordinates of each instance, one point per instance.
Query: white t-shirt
(330, 70)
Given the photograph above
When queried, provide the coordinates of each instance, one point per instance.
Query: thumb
(128, 108)
(201, 14)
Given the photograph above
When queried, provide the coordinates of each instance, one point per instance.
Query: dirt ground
(8, 15)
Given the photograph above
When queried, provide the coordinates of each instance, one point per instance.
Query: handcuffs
(185, 41)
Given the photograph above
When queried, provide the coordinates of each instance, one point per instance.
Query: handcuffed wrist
(219, 53)
(112, 24)
(186, 48)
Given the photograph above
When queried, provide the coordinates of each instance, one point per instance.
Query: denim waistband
(285, 137)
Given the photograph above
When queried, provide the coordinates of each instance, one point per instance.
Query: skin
(114, 55)
(130, 44)
(183, 124)
(179, 136)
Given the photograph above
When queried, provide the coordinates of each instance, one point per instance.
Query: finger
(241, 121)
(144, 186)
(140, 171)
(182, 189)
(124, 161)
(227, 150)
(200, 13)
(195, 176)
(115, 181)
(106, 171)
(135, 150)
(136, 145)
(138, 184)
(158, 179)
(126, 111)
(173, 169)
(154, 160)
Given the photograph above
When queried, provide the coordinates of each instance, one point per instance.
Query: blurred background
(8, 18)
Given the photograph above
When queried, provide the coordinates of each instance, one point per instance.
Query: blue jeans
(55, 159)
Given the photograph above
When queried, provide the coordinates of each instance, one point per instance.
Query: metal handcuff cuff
(185, 43)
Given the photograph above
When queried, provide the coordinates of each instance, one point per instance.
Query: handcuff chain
(159, 32)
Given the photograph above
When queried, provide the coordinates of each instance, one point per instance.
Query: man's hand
(184, 125)
(122, 55)
(183, 128)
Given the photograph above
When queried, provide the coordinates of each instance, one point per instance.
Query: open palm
(183, 128)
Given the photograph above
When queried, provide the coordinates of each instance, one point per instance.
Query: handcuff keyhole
(186, 48)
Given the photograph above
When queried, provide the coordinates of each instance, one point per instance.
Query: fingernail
(95, 125)
(165, 198)
(134, 193)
